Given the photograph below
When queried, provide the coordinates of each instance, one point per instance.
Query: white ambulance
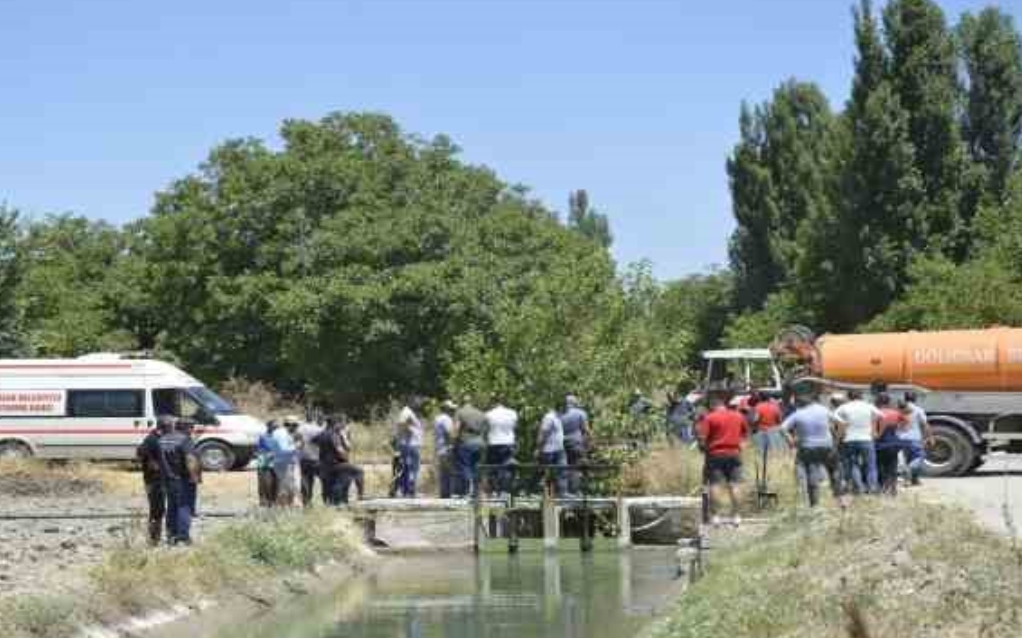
(100, 406)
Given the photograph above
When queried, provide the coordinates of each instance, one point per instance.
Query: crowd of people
(466, 437)
(292, 456)
(856, 444)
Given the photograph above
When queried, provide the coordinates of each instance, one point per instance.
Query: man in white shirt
(858, 423)
(443, 448)
(501, 423)
(408, 435)
(309, 459)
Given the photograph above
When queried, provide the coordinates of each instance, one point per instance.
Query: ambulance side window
(175, 402)
(105, 404)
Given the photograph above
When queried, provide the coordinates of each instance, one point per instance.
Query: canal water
(605, 594)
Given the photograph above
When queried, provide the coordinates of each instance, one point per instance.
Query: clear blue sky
(104, 102)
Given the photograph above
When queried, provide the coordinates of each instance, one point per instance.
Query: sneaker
(736, 521)
(715, 521)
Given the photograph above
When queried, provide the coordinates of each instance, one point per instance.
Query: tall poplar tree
(924, 77)
(778, 174)
(991, 49)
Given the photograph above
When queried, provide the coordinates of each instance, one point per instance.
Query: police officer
(175, 448)
(148, 455)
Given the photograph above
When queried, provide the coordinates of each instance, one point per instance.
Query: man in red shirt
(722, 431)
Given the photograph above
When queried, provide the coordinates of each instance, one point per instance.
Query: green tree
(924, 76)
(855, 261)
(991, 48)
(68, 261)
(584, 219)
(778, 175)
(11, 341)
(699, 306)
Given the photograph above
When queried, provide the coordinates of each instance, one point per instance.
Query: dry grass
(884, 568)
(37, 479)
(678, 469)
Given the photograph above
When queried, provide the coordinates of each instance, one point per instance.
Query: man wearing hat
(175, 449)
(443, 439)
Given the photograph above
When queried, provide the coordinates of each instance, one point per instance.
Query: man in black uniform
(175, 450)
(148, 454)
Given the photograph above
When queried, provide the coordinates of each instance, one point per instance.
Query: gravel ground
(54, 555)
(993, 493)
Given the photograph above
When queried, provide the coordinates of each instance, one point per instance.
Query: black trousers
(337, 480)
(157, 497)
(310, 470)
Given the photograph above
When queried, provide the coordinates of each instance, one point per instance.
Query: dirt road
(994, 493)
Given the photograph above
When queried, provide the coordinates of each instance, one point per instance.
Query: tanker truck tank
(960, 360)
(969, 381)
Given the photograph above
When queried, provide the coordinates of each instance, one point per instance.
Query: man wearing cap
(443, 442)
(148, 454)
(175, 448)
(194, 477)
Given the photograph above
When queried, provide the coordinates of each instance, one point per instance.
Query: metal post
(477, 514)
(512, 532)
(551, 520)
(624, 524)
(585, 540)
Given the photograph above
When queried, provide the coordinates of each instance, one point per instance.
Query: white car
(100, 406)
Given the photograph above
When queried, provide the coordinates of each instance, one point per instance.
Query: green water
(605, 594)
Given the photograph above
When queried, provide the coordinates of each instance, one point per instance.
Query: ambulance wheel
(14, 451)
(215, 456)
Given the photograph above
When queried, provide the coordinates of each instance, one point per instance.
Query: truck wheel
(951, 453)
(215, 456)
(14, 451)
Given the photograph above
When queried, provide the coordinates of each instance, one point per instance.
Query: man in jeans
(501, 422)
(722, 432)
(575, 425)
(175, 450)
(470, 424)
(550, 449)
(443, 448)
(308, 461)
(408, 435)
(857, 423)
(915, 436)
(808, 430)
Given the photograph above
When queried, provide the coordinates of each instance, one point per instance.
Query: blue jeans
(860, 458)
(445, 473)
(410, 460)
(468, 457)
(502, 455)
(915, 456)
(559, 476)
(179, 512)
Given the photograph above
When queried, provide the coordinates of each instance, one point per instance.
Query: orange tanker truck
(968, 381)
